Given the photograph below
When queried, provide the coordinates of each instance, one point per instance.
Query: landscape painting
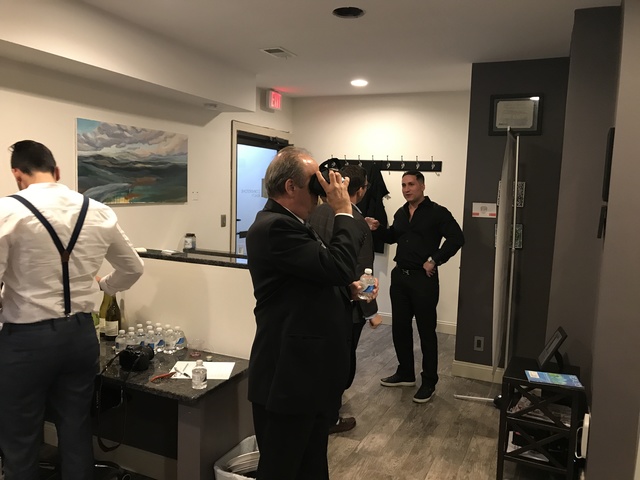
(121, 164)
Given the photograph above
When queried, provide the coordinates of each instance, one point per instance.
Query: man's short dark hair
(416, 173)
(29, 156)
(357, 177)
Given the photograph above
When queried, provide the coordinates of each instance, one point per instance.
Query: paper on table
(215, 370)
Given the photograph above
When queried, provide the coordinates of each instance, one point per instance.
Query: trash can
(241, 459)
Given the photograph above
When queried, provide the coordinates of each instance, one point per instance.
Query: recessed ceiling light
(359, 82)
(348, 12)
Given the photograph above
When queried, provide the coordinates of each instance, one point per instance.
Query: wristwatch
(431, 260)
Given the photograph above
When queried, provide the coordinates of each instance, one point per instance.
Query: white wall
(210, 303)
(395, 126)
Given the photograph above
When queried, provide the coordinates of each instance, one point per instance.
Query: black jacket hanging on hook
(372, 205)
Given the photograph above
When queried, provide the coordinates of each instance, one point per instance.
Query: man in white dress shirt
(48, 347)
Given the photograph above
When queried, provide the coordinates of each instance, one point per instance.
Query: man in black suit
(299, 363)
(322, 220)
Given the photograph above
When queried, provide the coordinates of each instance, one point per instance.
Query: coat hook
(417, 163)
(346, 162)
(401, 162)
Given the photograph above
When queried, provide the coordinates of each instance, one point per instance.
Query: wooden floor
(397, 439)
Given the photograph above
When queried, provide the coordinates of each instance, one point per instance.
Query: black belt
(49, 323)
(411, 271)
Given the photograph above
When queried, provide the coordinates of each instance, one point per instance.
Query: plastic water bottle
(170, 341)
(368, 284)
(181, 340)
(141, 338)
(121, 341)
(131, 339)
(150, 339)
(199, 376)
(159, 340)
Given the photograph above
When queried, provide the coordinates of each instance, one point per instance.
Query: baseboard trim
(476, 371)
(442, 327)
(446, 327)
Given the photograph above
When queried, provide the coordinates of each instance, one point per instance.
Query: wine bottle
(102, 313)
(113, 319)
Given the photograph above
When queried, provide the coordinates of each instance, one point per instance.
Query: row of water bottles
(167, 339)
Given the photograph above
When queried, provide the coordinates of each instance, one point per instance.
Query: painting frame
(522, 113)
(121, 164)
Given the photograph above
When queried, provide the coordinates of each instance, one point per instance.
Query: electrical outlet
(478, 344)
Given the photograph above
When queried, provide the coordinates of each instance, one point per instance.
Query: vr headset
(314, 184)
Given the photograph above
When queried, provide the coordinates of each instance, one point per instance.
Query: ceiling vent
(278, 52)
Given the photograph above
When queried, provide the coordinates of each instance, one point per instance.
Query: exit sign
(274, 100)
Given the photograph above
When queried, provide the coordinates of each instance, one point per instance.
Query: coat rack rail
(434, 166)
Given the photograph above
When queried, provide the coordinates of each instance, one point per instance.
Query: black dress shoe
(344, 425)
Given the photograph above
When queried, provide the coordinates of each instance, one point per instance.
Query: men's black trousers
(292, 447)
(53, 365)
(413, 293)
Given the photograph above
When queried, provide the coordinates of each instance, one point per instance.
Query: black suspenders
(64, 252)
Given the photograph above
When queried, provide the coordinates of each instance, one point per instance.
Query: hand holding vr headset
(330, 185)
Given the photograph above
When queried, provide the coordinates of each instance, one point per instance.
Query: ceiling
(399, 46)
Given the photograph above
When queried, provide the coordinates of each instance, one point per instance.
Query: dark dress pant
(416, 295)
(292, 447)
(50, 365)
(356, 332)
(355, 338)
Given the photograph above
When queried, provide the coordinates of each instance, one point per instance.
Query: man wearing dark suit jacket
(299, 363)
(322, 220)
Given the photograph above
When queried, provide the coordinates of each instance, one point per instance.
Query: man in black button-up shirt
(418, 229)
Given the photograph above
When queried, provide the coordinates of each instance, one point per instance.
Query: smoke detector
(278, 52)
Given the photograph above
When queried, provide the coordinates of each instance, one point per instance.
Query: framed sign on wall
(521, 113)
